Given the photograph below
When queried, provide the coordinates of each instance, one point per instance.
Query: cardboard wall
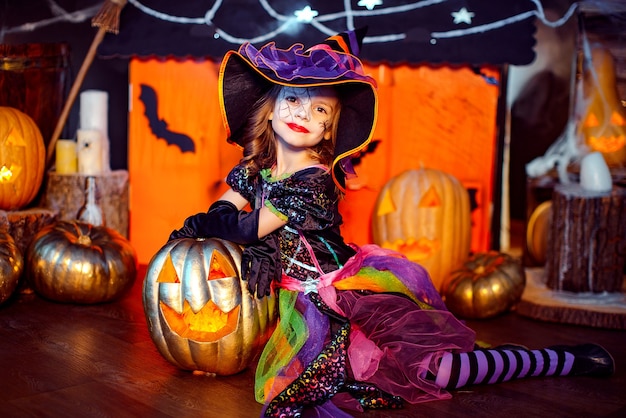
(437, 117)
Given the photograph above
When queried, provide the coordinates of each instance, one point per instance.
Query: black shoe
(589, 360)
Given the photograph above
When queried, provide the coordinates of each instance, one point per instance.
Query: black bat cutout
(159, 126)
(370, 149)
(472, 192)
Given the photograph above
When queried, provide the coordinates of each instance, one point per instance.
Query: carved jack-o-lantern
(604, 123)
(425, 215)
(200, 315)
(22, 159)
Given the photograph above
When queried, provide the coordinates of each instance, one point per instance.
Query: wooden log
(587, 240)
(23, 225)
(65, 194)
(602, 310)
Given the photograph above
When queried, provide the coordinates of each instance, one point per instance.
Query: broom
(107, 20)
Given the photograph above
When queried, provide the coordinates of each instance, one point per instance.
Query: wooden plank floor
(62, 360)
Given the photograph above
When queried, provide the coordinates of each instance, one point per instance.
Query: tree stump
(24, 224)
(65, 194)
(587, 240)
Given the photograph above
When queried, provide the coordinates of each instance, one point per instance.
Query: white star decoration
(305, 15)
(369, 4)
(310, 285)
(463, 16)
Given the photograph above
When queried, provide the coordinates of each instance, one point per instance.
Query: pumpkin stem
(84, 240)
(479, 270)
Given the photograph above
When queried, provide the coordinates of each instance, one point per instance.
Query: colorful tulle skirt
(363, 336)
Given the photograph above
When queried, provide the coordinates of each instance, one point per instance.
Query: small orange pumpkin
(22, 159)
(11, 265)
(200, 314)
(425, 214)
(537, 232)
(489, 283)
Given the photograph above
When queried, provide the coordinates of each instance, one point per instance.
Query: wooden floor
(62, 360)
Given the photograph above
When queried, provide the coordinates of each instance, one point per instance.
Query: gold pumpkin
(71, 261)
(11, 265)
(425, 214)
(22, 159)
(489, 283)
(200, 314)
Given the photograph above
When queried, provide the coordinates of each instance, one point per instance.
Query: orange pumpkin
(11, 265)
(604, 123)
(22, 159)
(537, 232)
(425, 214)
(200, 315)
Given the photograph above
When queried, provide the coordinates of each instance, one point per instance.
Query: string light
(307, 15)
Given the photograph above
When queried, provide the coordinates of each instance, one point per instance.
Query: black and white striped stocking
(487, 366)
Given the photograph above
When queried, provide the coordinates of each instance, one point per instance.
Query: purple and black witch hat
(247, 74)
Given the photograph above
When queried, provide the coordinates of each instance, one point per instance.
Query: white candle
(94, 115)
(66, 161)
(89, 151)
(594, 173)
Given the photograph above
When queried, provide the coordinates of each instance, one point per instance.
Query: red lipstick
(297, 128)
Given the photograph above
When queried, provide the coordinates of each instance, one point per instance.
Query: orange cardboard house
(437, 117)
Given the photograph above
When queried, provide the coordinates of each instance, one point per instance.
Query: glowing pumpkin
(22, 159)
(537, 231)
(11, 265)
(488, 283)
(604, 123)
(76, 262)
(200, 314)
(425, 214)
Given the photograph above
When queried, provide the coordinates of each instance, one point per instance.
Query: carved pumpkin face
(604, 123)
(425, 215)
(200, 314)
(22, 159)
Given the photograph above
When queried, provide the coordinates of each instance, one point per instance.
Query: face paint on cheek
(285, 111)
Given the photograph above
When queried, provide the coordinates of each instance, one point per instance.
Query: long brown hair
(259, 140)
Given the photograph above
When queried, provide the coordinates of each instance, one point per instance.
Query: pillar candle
(66, 158)
(89, 151)
(94, 107)
(594, 173)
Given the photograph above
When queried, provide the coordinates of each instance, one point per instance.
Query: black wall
(107, 75)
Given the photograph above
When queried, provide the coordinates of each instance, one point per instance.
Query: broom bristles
(108, 17)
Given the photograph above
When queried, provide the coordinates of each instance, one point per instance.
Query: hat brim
(241, 84)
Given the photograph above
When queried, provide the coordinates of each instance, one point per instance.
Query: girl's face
(302, 116)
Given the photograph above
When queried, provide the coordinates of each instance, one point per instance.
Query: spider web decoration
(434, 31)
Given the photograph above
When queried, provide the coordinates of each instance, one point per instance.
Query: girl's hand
(260, 265)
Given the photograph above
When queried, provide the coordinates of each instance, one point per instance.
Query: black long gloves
(260, 261)
(260, 264)
(223, 220)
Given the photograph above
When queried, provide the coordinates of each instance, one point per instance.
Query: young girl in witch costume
(360, 327)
